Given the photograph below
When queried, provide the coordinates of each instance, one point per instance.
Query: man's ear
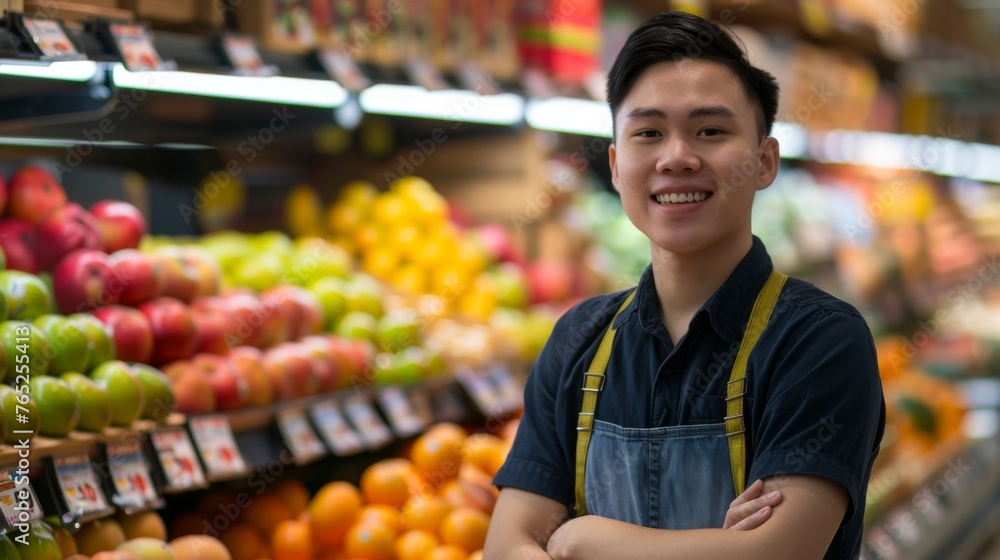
(770, 159)
(612, 160)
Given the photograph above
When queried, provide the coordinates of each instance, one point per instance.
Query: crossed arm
(527, 526)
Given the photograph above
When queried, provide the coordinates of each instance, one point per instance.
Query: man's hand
(750, 510)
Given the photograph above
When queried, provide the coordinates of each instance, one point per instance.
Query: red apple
(81, 282)
(138, 274)
(121, 225)
(549, 281)
(230, 389)
(193, 392)
(326, 366)
(34, 193)
(300, 311)
(131, 330)
(248, 312)
(279, 314)
(216, 329)
(180, 280)
(496, 240)
(63, 231)
(342, 353)
(249, 363)
(17, 239)
(311, 309)
(290, 370)
(207, 272)
(175, 333)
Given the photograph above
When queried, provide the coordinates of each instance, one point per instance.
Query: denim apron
(674, 477)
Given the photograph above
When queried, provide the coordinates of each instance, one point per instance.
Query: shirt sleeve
(537, 461)
(823, 412)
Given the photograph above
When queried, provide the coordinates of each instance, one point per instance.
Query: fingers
(753, 491)
(740, 513)
(754, 521)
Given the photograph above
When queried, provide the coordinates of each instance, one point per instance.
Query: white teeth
(674, 198)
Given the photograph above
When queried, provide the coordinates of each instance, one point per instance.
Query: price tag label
(425, 75)
(178, 458)
(135, 46)
(480, 388)
(423, 406)
(342, 68)
(373, 431)
(130, 476)
(18, 502)
(299, 436)
(78, 483)
(402, 416)
(49, 38)
(510, 393)
(339, 437)
(215, 442)
(242, 53)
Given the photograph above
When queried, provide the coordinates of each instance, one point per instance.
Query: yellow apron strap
(593, 382)
(736, 388)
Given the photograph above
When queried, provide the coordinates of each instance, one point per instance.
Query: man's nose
(677, 155)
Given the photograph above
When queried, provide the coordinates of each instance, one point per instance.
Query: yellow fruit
(410, 278)
(411, 185)
(302, 211)
(98, 535)
(362, 193)
(146, 524)
(344, 217)
(199, 547)
(380, 262)
(65, 541)
(148, 549)
(390, 210)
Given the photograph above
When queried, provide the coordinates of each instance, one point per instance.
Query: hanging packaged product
(217, 447)
(75, 493)
(128, 479)
(177, 467)
(560, 38)
(298, 435)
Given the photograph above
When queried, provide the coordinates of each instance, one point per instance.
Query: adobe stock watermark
(249, 148)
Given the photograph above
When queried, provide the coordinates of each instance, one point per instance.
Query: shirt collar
(727, 309)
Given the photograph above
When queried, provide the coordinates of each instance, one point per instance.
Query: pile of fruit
(433, 505)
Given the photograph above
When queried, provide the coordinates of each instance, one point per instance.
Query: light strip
(63, 142)
(574, 116)
(449, 105)
(73, 71)
(275, 89)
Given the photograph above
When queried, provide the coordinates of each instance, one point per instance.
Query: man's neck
(684, 282)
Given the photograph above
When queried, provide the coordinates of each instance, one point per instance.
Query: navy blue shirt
(813, 406)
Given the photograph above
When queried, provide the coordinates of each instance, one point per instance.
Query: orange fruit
(413, 545)
(477, 555)
(390, 209)
(437, 454)
(344, 217)
(461, 493)
(425, 513)
(265, 512)
(370, 542)
(243, 541)
(292, 541)
(446, 552)
(332, 512)
(295, 494)
(381, 514)
(390, 482)
(380, 261)
(465, 528)
(486, 452)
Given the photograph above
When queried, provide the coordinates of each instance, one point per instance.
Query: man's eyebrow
(708, 111)
(646, 113)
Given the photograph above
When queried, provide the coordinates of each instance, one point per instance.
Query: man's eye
(710, 132)
(647, 133)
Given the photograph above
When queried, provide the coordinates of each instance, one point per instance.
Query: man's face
(688, 156)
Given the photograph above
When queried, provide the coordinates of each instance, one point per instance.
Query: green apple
(358, 324)
(57, 403)
(3, 307)
(7, 549)
(230, 248)
(315, 259)
(41, 543)
(101, 344)
(260, 272)
(95, 402)
(13, 416)
(3, 259)
(274, 242)
(27, 295)
(127, 397)
(331, 294)
(363, 293)
(398, 330)
(69, 343)
(412, 363)
(159, 393)
(26, 345)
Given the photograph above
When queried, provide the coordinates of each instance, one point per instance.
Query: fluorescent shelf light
(73, 71)
(63, 142)
(793, 140)
(275, 89)
(449, 105)
(574, 116)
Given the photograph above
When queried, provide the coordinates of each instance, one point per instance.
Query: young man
(675, 432)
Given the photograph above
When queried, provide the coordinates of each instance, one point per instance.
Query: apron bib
(674, 477)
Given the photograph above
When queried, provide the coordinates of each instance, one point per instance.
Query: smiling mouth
(682, 198)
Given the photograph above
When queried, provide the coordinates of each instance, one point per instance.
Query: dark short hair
(676, 36)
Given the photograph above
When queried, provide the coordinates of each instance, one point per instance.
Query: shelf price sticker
(373, 431)
(49, 38)
(339, 66)
(510, 392)
(339, 437)
(401, 413)
(135, 46)
(299, 436)
(215, 442)
(18, 501)
(129, 473)
(482, 391)
(178, 458)
(78, 483)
